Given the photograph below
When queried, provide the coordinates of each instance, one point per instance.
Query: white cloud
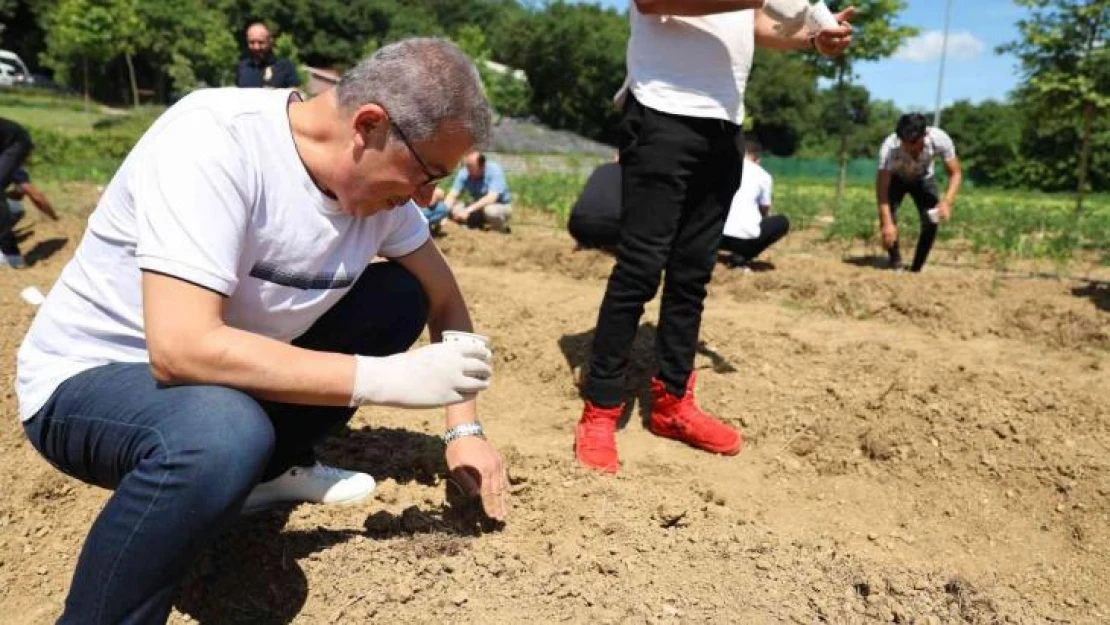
(927, 46)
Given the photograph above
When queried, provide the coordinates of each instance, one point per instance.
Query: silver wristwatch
(464, 429)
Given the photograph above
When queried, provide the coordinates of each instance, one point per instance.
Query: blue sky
(973, 71)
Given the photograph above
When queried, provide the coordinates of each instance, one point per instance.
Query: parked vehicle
(13, 71)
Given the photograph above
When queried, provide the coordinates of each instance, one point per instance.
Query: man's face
(259, 43)
(913, 146)
(386, 172)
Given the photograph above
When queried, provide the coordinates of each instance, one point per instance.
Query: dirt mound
(922, 449)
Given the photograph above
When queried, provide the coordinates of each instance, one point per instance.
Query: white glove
(434, 375)
(790, 15)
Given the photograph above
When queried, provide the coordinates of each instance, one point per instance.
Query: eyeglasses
(432, 177)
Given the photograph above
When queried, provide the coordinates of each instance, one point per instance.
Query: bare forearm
(694, 8)
(261, 366)
(954, 181)
(482, 202)
(767, 36)
(882, 197)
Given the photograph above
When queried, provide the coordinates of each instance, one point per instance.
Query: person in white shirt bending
(683, 102)
(751, 228)
(906, 167)
(221, 315)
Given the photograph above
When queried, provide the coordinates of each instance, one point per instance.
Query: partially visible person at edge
(595, 218)
(15, 150)
(260, 68)
(750, 227)
(688, 65)
(906, 166)
(483, 183)
(221, 316)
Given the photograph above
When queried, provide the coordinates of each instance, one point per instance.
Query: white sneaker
(15, 261)
(316, 484)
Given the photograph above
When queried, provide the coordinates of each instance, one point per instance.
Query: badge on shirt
(268, 75)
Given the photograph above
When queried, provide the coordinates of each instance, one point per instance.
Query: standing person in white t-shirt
(221, 315)
(751, 228)
(906, 166)
(688, 65)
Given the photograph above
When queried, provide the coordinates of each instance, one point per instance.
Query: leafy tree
(781, 101)
(876, 36)
(508, 94)
(79, 30)
(988, 140)
(1066, 76)
(573, 55)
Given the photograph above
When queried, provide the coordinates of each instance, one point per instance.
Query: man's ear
(367, 122)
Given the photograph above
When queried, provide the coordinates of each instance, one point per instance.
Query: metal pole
(943, 56)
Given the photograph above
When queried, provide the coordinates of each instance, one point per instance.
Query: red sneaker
(681, 419)
(595, 438)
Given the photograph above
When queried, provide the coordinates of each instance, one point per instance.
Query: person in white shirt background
(221, 315)
(750, 227)
(683, 107)
(906, 167)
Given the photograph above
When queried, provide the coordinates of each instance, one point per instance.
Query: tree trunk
(845, 129)
(131, 74)
(85, 76)
(1084, 157)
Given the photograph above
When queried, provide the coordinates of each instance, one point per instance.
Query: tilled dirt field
(928, 448)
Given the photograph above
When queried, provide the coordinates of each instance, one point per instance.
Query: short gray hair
(422, 83)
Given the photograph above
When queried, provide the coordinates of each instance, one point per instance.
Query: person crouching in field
(750, 227)
(906, 166)
(221, 316)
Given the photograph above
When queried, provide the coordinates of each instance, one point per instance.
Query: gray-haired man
(220, 315)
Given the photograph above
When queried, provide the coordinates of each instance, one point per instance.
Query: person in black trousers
(680, 166)
(906, 167)
(15, 148)
(595, 219)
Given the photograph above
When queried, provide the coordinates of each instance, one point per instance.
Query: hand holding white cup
(819, 18)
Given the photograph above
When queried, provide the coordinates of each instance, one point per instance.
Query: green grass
(73, 144)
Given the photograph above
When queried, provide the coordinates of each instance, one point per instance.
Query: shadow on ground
(642, 365)
(1097, 292)
(252, 573)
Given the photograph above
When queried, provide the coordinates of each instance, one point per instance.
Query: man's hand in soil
(479, 470)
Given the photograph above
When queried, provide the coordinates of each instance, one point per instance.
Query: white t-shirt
(744, 216)
(214, 193)
(908, 167)
(691, 66)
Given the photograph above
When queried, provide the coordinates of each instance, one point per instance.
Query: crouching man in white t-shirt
(221, 315)
(750, 227)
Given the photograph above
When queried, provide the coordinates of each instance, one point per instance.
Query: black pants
(925, 197)
(771, 229)
(9, 245)
(678, 176)
(595, 232)
(11, 159)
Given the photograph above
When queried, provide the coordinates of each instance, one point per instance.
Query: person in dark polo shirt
(260, 68)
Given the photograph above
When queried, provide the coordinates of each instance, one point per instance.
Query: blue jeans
(435, 214)
(183, 459)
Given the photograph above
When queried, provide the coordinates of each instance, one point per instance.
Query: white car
(13, 71)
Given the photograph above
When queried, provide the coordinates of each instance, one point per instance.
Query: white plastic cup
(934, 215)
(457, 336)
(820, 18)
(33, 296)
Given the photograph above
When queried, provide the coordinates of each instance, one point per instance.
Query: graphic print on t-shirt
(272, 273)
